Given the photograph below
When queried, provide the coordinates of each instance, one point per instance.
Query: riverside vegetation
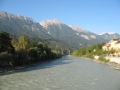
(93, 50)
(23, 51)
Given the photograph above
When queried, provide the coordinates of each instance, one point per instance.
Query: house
(113, 44)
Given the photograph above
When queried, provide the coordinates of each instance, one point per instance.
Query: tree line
(23, 51)
(91, 51)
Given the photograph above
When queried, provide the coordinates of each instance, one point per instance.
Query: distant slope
(62, 32)
(110, 36)
(58, 29)
(73, 35)
(90, 37)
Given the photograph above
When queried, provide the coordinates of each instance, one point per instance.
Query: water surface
(67, 73)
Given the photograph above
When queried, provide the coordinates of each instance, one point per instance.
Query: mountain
(62, 32)
(73, 35)
(57, 34)
(21, 25)
(91, 38)
(109, 36)
(58, 29)
(18, 25)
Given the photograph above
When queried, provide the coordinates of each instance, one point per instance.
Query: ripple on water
(67, 73)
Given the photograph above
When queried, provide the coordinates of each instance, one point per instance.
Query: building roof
(117, 39)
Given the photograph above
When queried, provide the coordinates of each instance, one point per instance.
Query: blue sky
(93, 15)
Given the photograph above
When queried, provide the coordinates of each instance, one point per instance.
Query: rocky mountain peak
(14, 16)
(76, 28)
(109, 33)
(45, 23)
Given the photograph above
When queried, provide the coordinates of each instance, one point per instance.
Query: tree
(6, 59)
(83, 50)
(23, 43)
(33, 55)
(22, 57)
(7, 51)
(5, 43)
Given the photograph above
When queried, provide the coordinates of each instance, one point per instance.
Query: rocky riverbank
(114, 64)
(15, 68)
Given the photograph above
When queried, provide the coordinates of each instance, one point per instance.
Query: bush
(22, 57)
(33, 55)
(90, 56)
(102, 58)
(6, 59)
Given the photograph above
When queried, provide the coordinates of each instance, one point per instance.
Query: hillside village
(113, 44)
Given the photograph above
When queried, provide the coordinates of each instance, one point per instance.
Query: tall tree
(23, 43)
(5, 43)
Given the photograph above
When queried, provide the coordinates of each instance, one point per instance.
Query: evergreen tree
(7, 51)
(5, 43)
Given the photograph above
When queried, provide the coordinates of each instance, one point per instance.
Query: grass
(103, 59)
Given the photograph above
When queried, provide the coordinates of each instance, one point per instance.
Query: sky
(96, 16)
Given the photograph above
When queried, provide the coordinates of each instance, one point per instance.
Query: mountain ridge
(75, 34)
(72, 35)
(17, 24)
(109, 36)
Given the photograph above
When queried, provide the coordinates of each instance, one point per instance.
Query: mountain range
(54, 32)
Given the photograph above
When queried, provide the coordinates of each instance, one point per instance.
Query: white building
(113, 44)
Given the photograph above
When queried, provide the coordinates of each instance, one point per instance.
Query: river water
(67, 73)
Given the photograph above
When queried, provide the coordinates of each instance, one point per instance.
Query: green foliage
(6, 59)
(33, 55)
(7, 51)
(32, 43)
(5, 43)
(80, 52)
(27, 51)
(90, 56)
(112, 51)
(55, 54)
(103, 59)
(22, 43)
(92, 48)
(91, 51)
(74, 52)
(22, 57)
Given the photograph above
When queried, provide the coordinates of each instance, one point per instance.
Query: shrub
(33, 55)
(6, 59)
(102, 58)
(90, 56)
(22, 57)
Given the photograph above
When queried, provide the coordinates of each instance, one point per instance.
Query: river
(67, 73)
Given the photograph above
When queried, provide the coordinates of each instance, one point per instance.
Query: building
(113, 44)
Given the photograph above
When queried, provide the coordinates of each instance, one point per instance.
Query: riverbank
(113, 64)
(17, 68)
(113, 59)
